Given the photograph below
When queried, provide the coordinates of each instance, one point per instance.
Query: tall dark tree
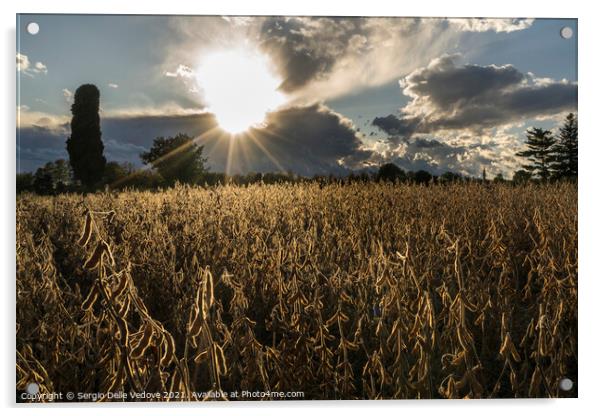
(176, 158)
(566, 163)
(85, 145)
(540, 153)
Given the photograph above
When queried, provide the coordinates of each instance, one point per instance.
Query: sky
(309, 95)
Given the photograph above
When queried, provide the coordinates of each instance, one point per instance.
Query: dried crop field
(371, 291)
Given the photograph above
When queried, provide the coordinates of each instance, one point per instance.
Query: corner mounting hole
(566, 384)
(33, 28)
(32, 388)
(566, 32)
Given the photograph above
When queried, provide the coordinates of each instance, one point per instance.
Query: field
(371, 291)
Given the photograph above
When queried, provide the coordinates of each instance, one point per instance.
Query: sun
(238, 87)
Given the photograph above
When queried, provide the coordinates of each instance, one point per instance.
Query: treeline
(179, 159)
(57, 178)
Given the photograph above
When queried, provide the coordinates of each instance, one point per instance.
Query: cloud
(459, 153)
(24, 66)
(444, 96)
(306, 140)
(326, 57)
(310, 140)
(22, 62)
(40, 68)
(316, 58)
(38, 144)
(182, 71)
(319, 58)
(112, 85)
(495, 25)
(68, 95)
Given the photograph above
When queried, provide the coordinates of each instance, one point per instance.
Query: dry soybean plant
(369, 291)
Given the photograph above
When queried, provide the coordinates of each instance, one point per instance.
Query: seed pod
(123, 329)
(125, 308)
(108, 251)
(90, 299)
(201, 356)
(220, 359)
(117, 378)
(207, 298)
(196, 324)
(175, 381)
(87, 232)
(508, 349)
(121, 285)
(535, 383)
(94, 260)
(169, 349)
(144, 342)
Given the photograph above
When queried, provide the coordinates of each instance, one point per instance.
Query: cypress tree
(85, 146)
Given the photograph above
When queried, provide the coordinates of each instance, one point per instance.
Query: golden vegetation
(368, 291)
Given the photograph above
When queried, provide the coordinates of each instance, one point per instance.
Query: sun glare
(239, 87)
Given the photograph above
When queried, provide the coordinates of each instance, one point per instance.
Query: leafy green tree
(42, 182)
(176, 158)
(53, 177)
(116, 174)
(85, 146)
(540, 153)
(566, 149)
(390, 172)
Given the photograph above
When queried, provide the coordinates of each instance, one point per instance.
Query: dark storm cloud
(446, 96)
(306, 48)
(37, 145)
(395, 126)
(306, 140)
(312, 139)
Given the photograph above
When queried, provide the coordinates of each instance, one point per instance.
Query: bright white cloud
(68, 95)
(496, 25)
(182, 71)
(22, 62)
(25, 66)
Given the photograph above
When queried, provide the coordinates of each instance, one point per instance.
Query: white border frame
(589, 201)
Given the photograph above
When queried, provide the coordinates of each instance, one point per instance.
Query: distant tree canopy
(52, 178)
(540, 153)
(116, 172)
(521, 176)
(176, 158)
(422, 177)
(390, 172)
(450, 177)
(85, 145)
(566, 149)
